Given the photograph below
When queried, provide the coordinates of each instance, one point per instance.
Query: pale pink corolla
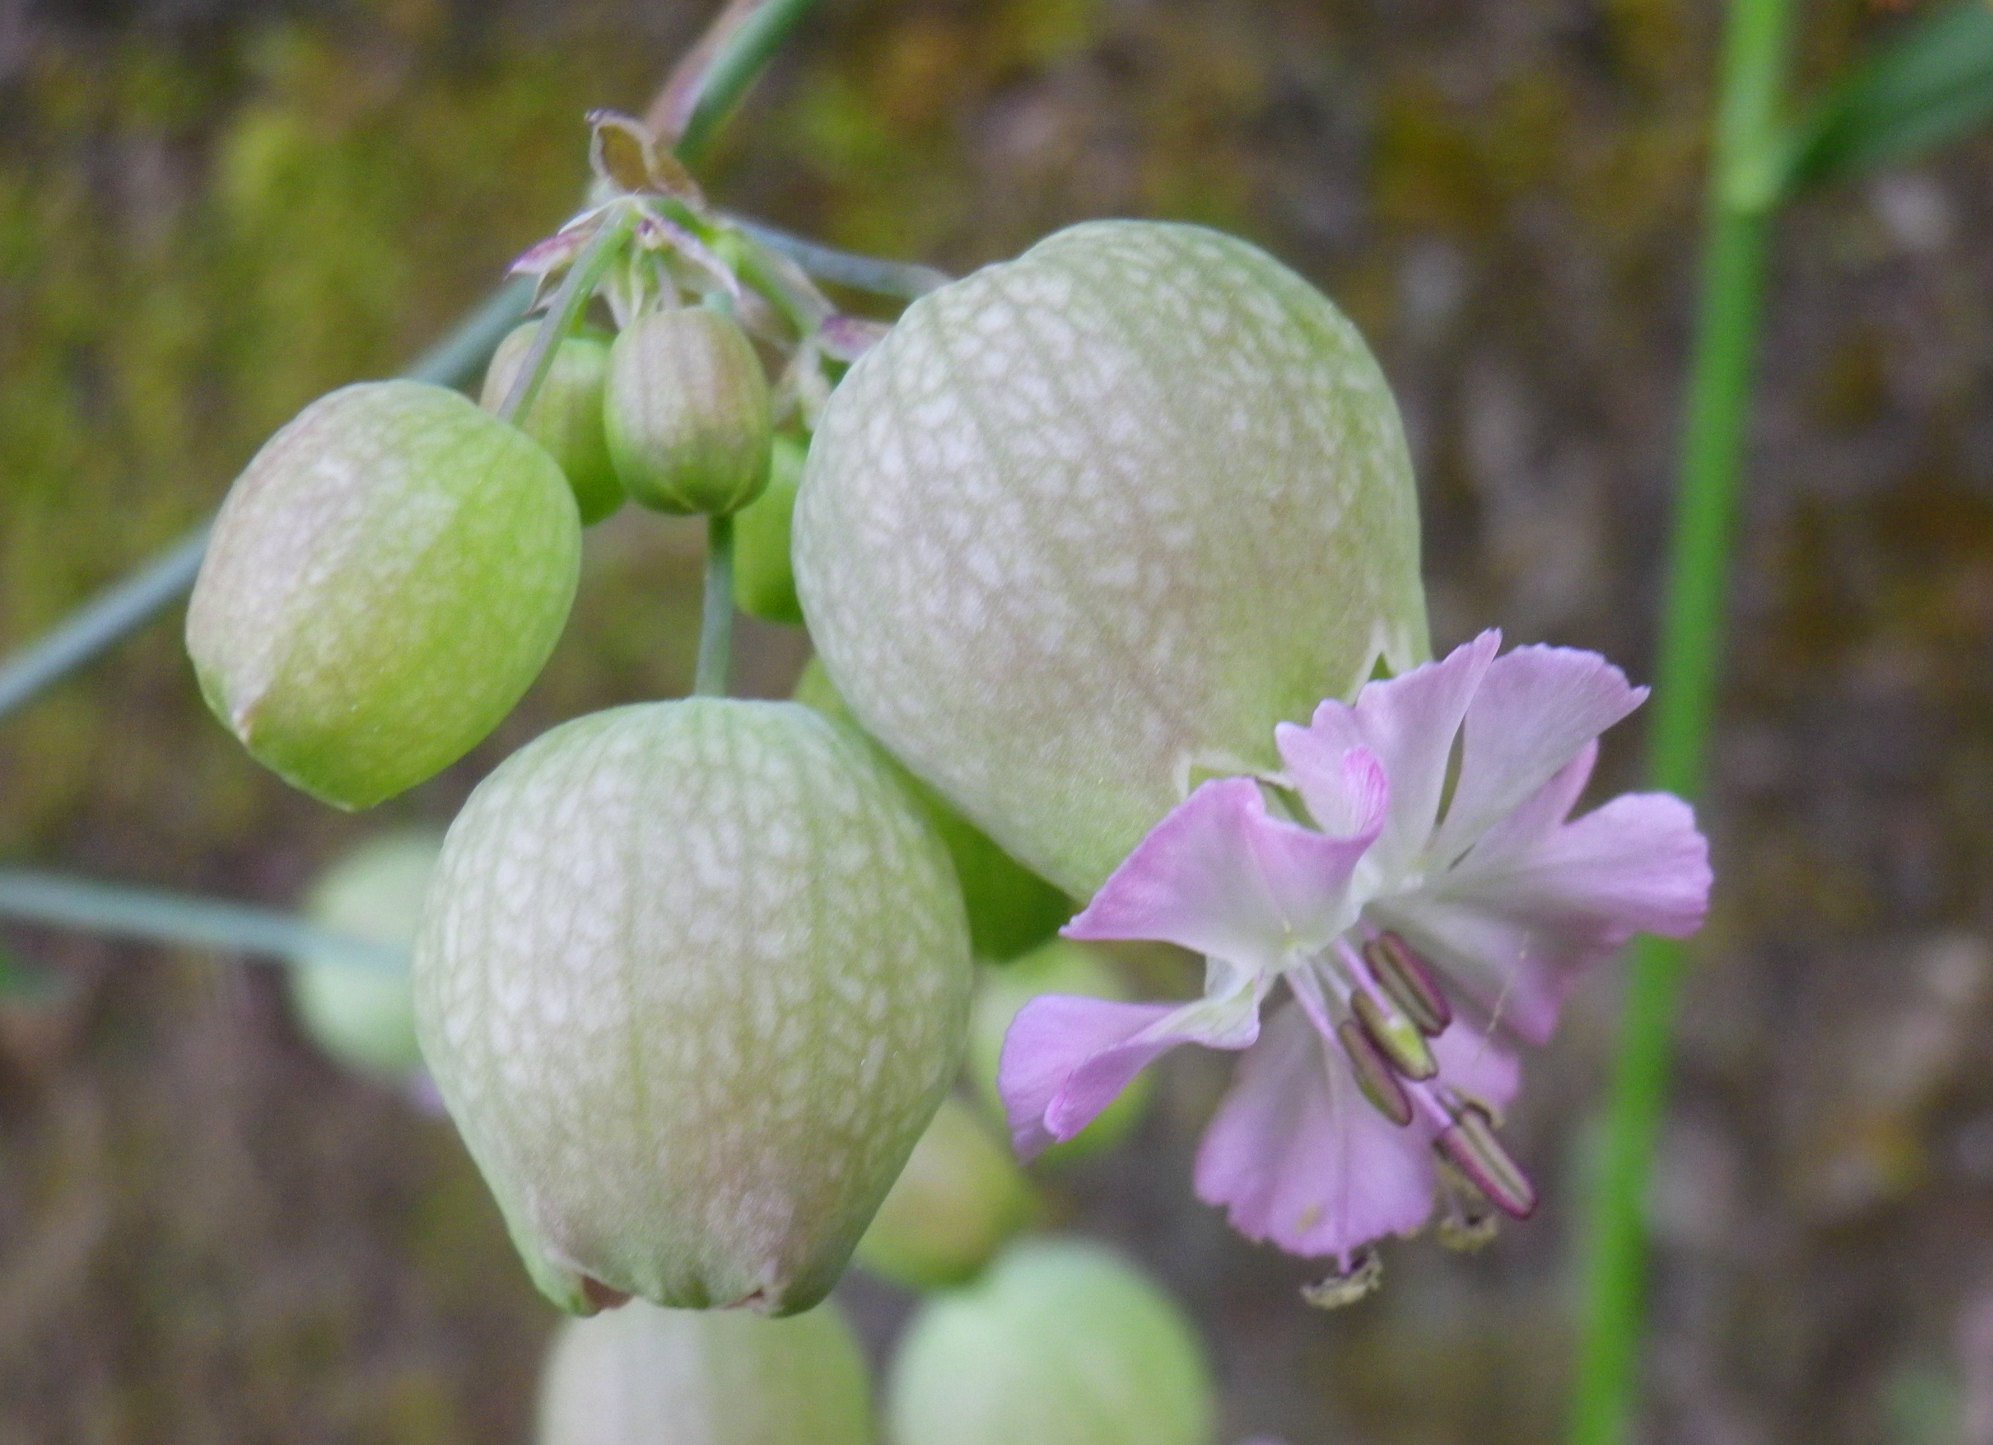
(1377, 924)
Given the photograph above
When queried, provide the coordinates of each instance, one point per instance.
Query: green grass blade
(1931, 84)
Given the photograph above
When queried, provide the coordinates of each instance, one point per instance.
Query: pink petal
(1534, 712)
(1066, 1058)
(1410, 723)
(1222, 877)
(1477, 1066)
(1517, 923)
(1297, 1156)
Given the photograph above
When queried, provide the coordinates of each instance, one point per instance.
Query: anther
(1470, 1145)
(1347, 1286)
(1373, 1074)
(1395, 1035)
(1410, 982)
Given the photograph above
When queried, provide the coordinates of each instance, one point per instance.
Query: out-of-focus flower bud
(1061, 1343)
(764, 581)
(693, 978)
(1061, 966)
(566, 414)
(688, 412)
(958, 1201)
(384, 581)
(365, 1017)
(644, 1376)
(1011, 909)
(1087, 524)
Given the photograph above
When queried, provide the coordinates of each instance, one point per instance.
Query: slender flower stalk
(1743, 198)
(57, 900)
(714, 671)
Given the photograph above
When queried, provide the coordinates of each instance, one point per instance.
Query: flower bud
(688, 412)
(365, 1017)
(566, 414)
(643, 1376)
(1088, 523)
(693, 978)
(384, 581)
(1011, 909)
(764, 581)
(1061, 1343)
(958, 1201)
(1061, 966)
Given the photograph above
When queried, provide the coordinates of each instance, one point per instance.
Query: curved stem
(1748, 138)
(753, 31)
(61, 901)
(564, 311)
(714, 672)
(909, 279)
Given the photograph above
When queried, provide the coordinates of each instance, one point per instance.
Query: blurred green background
(212, 210)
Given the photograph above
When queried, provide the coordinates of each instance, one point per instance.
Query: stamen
(1409, 980)
(1373, 1074)
(1470, 1145)
(1395, 1035)
(1466, 1221)
(1346, 1287)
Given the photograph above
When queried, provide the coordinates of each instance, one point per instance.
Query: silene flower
(1379, 924)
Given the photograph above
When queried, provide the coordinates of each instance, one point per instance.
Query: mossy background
(212, 211)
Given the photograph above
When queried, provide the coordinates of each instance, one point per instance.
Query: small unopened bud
(386, 578)
(1061, 1343)
(1373, 1073)
(566, 414)
(688, 412)
(1410, 982)
(362, 1016)
(645, 1376)
(959, 1200)
(1061, 966)
(693, 978)
(1470, 1145)
(1395, 1035)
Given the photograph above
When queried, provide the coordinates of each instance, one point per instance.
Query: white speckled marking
(1090, 515)
(692, 979)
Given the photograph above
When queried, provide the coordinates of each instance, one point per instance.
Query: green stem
(1745, 193)
(59, 901)
(130, 603)
(908, 279)
(565, 310)
(713, 674)
(745, 52)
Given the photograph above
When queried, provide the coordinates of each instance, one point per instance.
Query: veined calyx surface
(693, 977)
(1088, 523)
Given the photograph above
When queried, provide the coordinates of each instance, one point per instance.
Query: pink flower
(1415, 891)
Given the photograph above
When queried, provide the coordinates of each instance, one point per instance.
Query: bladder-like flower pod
(566, 414)
(958, 1201)
(1061, 1343)
(688, 412)
(643, 1376)
(384, 581)
(693, 978)
(365, 1016)
(1085, 525)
